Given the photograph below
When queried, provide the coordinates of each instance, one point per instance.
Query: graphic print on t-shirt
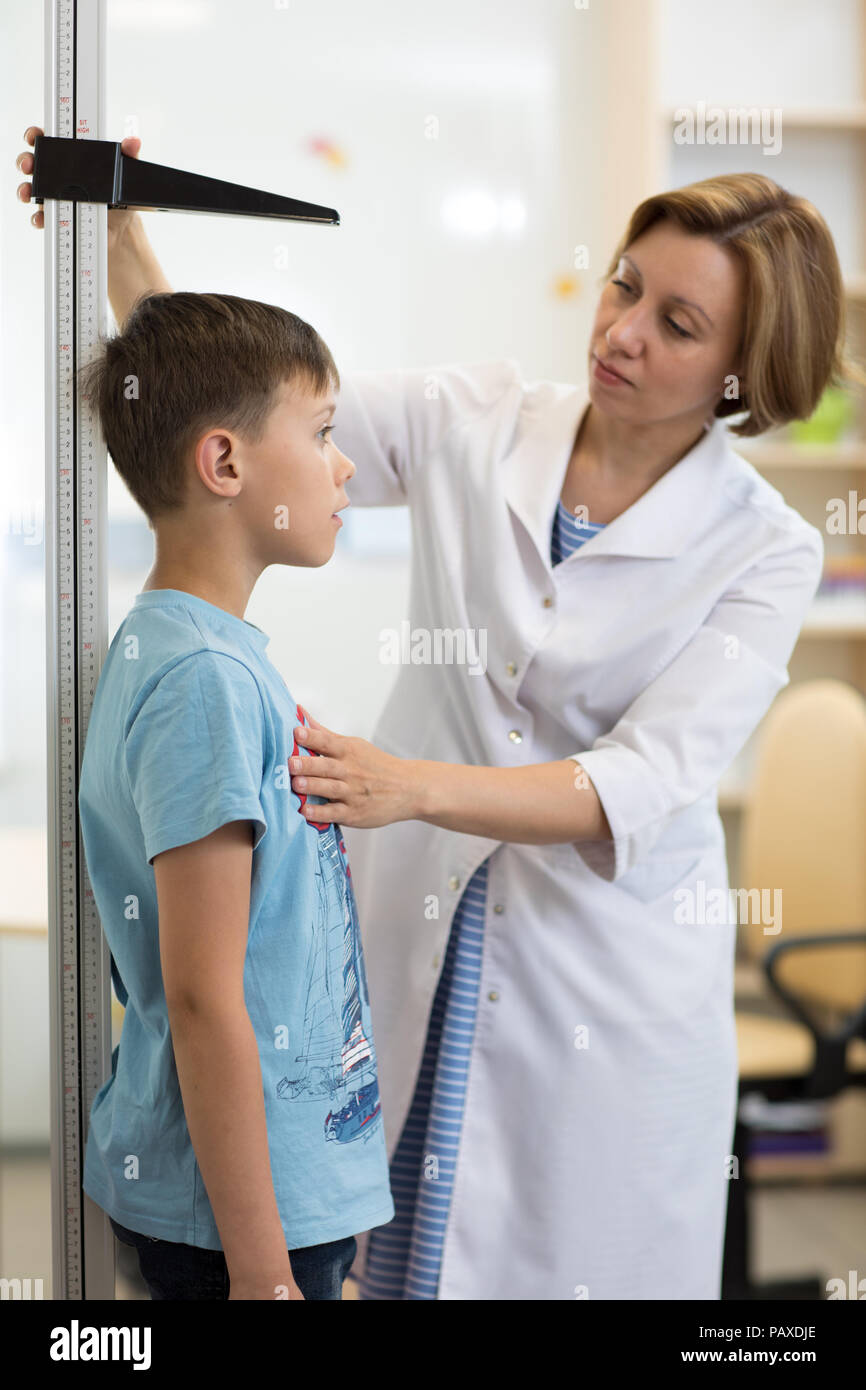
(336, 1062)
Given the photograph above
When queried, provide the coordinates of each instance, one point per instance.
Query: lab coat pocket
(650, 881)
(660, 875)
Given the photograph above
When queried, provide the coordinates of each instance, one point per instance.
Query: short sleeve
(674, 742)
(389, 422)
(195, 752)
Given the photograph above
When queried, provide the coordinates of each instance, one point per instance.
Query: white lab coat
(601, 1095)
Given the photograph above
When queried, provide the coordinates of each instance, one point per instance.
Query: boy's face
(292, 481)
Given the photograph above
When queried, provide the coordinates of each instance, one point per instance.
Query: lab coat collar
(660, 523)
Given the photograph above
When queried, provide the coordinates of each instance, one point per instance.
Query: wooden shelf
(850, 631)
(822, 621)
(825, 139)
(794, 117)
(788, 454)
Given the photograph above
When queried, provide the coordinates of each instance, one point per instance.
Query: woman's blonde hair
(793, 343)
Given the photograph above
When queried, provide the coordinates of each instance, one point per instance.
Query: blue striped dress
(403, 1257)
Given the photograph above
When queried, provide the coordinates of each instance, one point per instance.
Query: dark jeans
(173, 1271)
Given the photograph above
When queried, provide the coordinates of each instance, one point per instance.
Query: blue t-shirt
(191, 728)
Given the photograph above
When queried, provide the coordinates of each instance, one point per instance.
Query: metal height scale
(78, 176)
(76, 630)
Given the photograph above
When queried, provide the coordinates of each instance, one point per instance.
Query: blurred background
(484, 160)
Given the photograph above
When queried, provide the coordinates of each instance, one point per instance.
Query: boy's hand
(265, 1289)
(365, 787)
(119, 219)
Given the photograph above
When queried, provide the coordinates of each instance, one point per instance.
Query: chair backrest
(803, 831)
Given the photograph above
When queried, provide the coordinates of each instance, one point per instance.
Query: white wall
(238, 90)
(544, 107)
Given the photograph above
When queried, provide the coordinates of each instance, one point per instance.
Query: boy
(238, 1143)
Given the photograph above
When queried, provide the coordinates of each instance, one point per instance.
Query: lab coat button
(515, 735)
(547, 601)
(498, 908)
(511, 668)
(454, 882)
(493, 995)
(435, 962)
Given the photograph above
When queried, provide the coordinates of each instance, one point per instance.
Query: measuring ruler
(76, 637)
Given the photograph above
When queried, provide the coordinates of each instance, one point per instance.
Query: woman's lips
(607, 376)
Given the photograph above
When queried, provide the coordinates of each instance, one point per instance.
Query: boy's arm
(203, 896)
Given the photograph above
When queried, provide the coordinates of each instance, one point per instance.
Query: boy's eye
(324, 430)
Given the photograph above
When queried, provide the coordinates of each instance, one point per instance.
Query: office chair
(803, 831)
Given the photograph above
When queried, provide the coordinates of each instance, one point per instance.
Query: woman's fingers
(37, 217)
(328, 787)
(311, 737)
(327, 814)
(317, 766)
(25, 163)
(314, 733)
(131, 146)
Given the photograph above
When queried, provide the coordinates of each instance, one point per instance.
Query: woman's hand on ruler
(119, 219)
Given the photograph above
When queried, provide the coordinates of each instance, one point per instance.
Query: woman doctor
(545, 907)
(549, 939)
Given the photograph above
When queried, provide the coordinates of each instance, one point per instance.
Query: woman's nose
(623, 332)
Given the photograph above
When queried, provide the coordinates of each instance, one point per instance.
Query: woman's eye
(680, 332)
(676, 328)
(325, 430)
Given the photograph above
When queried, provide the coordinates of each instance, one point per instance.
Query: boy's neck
(231, 596)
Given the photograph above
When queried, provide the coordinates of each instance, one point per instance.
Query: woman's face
(669, 320)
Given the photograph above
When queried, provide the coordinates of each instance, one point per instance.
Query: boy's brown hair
(185, 363)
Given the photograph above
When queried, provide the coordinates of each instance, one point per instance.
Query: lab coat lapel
(659, 524)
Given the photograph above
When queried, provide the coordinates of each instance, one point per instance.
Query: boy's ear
(213, 456)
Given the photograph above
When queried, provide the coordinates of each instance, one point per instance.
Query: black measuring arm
(97, 171)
